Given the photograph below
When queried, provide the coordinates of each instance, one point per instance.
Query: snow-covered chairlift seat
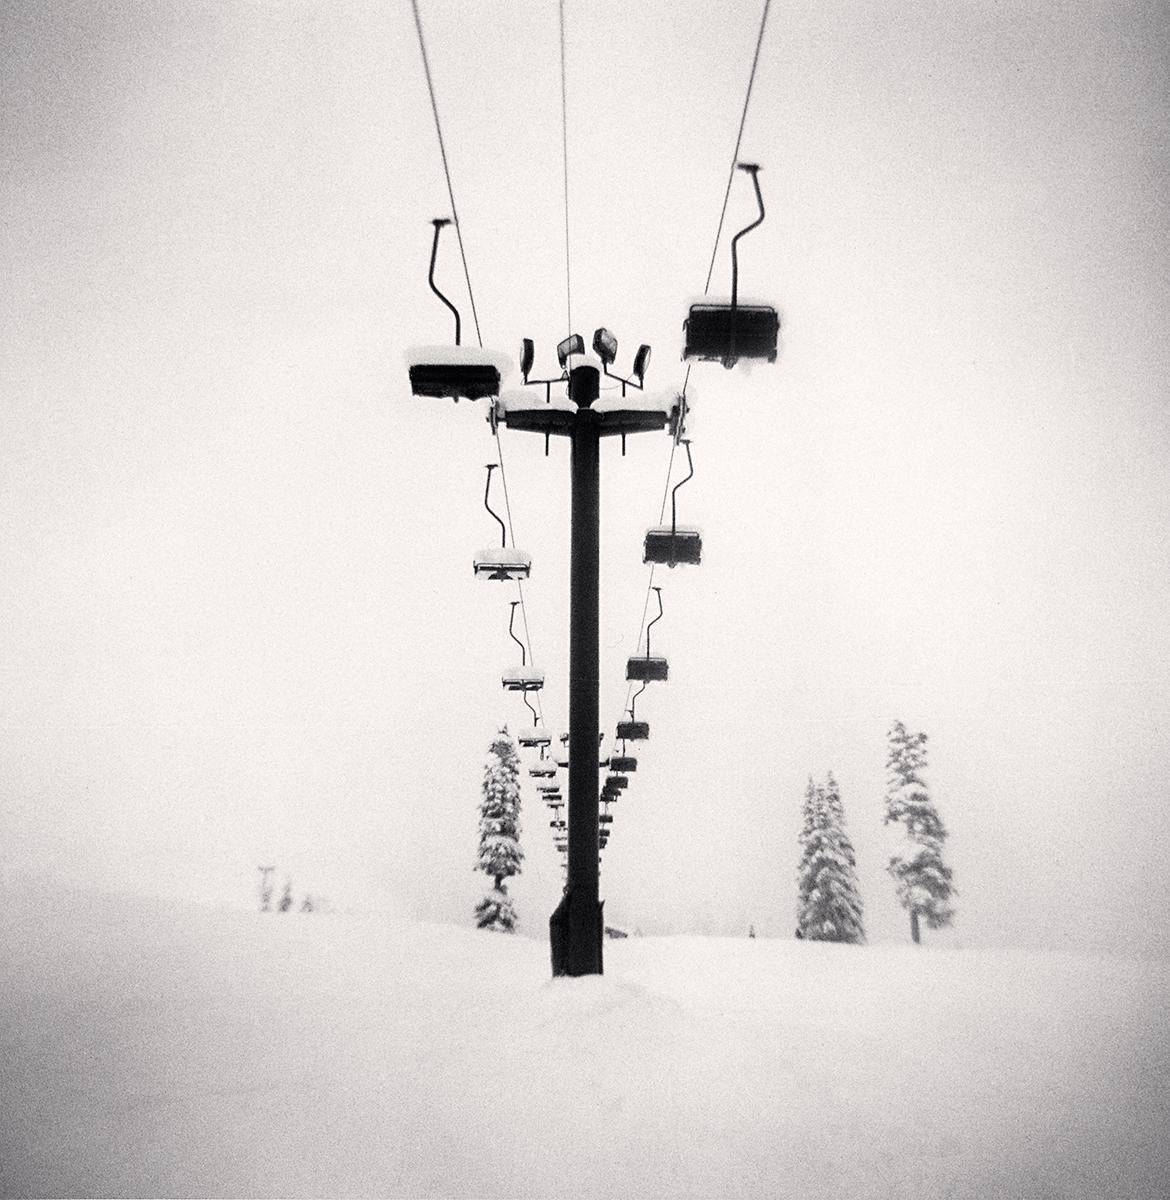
(535, 735)
(647, 668)
(632, 731)
(522, 679)
(505, 564)
(542, 770)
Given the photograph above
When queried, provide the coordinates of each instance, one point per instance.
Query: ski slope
(153, 1050)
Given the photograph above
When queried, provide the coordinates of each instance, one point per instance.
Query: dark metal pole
(576, 927)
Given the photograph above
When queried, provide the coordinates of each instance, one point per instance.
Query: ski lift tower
(576, 928)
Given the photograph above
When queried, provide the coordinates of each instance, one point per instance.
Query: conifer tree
(829, 905)
(499, 827)
(923, 880)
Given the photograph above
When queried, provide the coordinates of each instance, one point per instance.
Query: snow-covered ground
(155, 1050)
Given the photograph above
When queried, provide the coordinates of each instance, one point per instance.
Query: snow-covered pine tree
(829, 904)
(500, 855)
(924, 881)
(286, 896)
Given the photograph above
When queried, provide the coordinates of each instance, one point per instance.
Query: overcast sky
(240, 619)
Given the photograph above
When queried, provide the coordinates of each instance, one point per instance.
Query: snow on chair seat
(503, 564)
(536, 735)
(522, 679)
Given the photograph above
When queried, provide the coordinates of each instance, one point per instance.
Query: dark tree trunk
(914, 936)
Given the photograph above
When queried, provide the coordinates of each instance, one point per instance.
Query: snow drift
(166, 1050)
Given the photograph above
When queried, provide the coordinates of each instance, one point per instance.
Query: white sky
(241, 623)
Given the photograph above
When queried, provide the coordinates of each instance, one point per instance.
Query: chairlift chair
(674, 543)
(536, 735)
(633, 731)
(471, 374)
(617, 783)
(726, 333)
(506, 563)
(623, 763)
(524, 678)
(543, 769)
(648, 668)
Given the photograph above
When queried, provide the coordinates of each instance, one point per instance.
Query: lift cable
(706, 290)
(422, 45)
(565, 161)
(475, 315)
(568, 316)
(735, 153)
